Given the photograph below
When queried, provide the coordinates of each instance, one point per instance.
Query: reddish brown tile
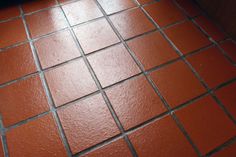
(64, 1)
(1, 148)
(113, 65)
(87, 123)
(56, 49)
(135, 102)
(227, 97)
(189, 7)
(115, 149)
(22, 100)
(114, 6)
(226, 152)
(161, 138)
(69, 82)
(164, 12)
(81, 11)
(38, 138)
(46, 22)
(95, 35)
(144, 1)
(206, 123)
(9, 28)
(152, 50)
(131, 23)
(212, 66)
(187, 37)
(36, 5)
(9, 12)
(16, 62)
(230, 48)
(210, 28)
(177, 83)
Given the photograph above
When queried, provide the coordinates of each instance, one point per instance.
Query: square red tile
(212, 66)
(206, 124)
(177, 83)
(131, 23)
(38, 138)
(152, 50)
(9, 30)
(144, 1)
(210, 28)
(135, 102)
(56, 49)
(115, 149)
(22, 100)
(45, 22)
(95, 35)
(114, 6)
(230, 48)
(35, 5)
(81, 11)
(189, 7)
(187, 37)
(1, 148)
(164, 12)
(16, 62)
(227, 151)
(226, 95)
(112, 65)
(161, 138)
(87, 123)
(9, 12)
(69, 82)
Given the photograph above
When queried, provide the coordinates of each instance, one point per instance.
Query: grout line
(3, 139)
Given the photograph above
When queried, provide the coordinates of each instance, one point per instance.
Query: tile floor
(115, 78)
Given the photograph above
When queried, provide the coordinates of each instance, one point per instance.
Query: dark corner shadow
(8, 3)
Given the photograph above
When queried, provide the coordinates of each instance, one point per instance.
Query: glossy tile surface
(116, 57)
(9, 12)
(204, 129)
(162, 135)
(56, 49)
(87, 123)
(152, 50)
(225, 152)
(95, 35)
(128, 23)
(190, 7)
(16, 62)
(230, 48)
(177, 83)
(38, 138)
(164, 12)
(1, 148)
(144, 1)
(31, 6)
(187, 37)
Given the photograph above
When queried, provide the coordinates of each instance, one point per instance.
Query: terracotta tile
(211, 29)
(38, 138)
(187, 37)
(69, 82)
(115, 149)
(230, 48)
(113, 65)
(16, 62)
(36, 5)
(152, 50)
(189, 7)
(144, 1)
(87, 123)
(12, 27)
(226, 152)
(131, 23)
(9, 12)
(114, 6)
(56, 49)
(28, 94)
(46, 22)
(206, 123)
(212, 66)
(135, 102)
(161, 138)
(177, 83)
(64, 1)
(81, 11)
(227, 96)
(1, 148)
(164, 12)
(95, 35)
